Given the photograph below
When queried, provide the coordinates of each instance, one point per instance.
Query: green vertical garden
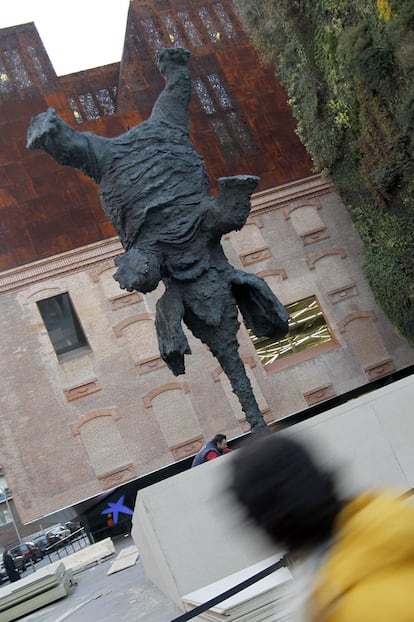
(348, 68)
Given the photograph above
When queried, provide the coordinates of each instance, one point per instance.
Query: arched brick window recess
(250, 244)
(117, 297)
(277, 272)
(359, 331)
(356, 315)
(307, 222)
(141, 340)
(332, 274)
(174, 411)
(107, 452)
(94, 414)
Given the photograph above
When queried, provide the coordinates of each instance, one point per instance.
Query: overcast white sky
(77, 34)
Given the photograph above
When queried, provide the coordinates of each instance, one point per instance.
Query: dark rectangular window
(62, 324)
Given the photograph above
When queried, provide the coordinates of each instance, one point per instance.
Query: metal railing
(282, 563)
(78, 537)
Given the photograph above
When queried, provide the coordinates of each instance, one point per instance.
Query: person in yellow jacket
(355, 558)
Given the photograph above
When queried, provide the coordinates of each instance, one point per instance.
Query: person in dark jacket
(213, 449)
(10, 567)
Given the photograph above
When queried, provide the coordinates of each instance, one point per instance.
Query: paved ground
(121, 597)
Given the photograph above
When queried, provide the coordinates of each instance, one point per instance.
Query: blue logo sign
(117, 508)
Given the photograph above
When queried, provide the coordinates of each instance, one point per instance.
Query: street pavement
(124, 596)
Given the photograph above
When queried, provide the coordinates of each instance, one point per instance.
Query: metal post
(11, 514)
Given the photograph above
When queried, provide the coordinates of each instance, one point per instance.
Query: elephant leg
(173, 101)
(235, 371)
(172, 341)
(222, 342)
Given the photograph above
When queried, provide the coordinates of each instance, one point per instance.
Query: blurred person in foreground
(352, 560)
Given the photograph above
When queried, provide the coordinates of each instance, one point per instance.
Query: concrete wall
(368, 440)
(190, 533)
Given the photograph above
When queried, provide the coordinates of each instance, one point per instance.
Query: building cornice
(285, 194)
(65, 263)
(89, 256)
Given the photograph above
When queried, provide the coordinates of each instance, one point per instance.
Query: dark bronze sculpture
(154, 190)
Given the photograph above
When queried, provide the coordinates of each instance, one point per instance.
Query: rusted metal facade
(241, 122)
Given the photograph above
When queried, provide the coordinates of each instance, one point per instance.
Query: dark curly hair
(285, 492)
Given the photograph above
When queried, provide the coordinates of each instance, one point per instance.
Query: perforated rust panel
(240, 119)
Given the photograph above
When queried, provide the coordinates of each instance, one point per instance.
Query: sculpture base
(190, 534)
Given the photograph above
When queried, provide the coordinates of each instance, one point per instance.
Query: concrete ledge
(190, 533)
(253, 603)
(35, 591)
(126, 558)
(89, 555)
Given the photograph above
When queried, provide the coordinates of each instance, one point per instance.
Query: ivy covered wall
(348, 68)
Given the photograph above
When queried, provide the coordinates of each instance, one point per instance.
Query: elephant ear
(261, 309)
